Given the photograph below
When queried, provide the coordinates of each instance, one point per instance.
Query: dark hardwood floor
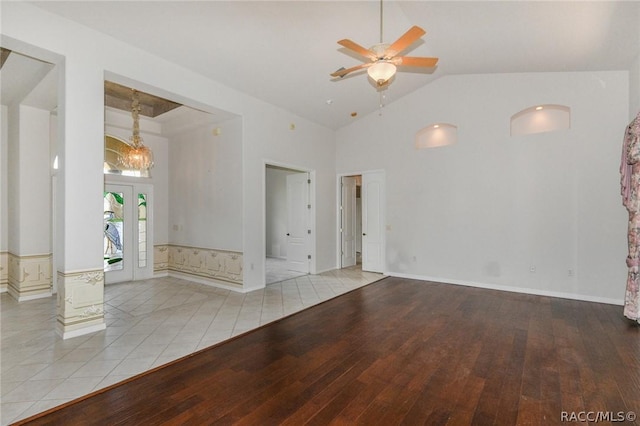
(397, 351)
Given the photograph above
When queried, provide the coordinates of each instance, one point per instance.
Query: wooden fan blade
(355, 47)
(342, 71)
(405, 41)
(413, 61)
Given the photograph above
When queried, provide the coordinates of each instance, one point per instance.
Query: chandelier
(137, 156)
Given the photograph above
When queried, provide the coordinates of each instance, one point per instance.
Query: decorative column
(80, 303)
(80, 186)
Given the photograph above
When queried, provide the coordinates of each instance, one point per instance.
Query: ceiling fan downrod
(381, 22)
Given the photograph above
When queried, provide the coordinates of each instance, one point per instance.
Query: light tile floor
(149, 323)
(277, 270)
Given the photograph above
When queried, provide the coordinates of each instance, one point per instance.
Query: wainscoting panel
(160, 259)
(210, 265)
(29, 277)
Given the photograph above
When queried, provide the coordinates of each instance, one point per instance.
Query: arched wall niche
(436, 135)
(541, 119)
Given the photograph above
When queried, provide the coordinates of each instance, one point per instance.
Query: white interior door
(298, 222)
(348, 221)
(373, 238)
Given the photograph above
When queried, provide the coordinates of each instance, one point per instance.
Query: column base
(85, 329)
(29, 277)
(80, 303)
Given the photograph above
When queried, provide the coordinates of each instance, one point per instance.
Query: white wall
(29, 181)
(35, 181)
(309, 147)
(205, 187)
(4, 189)
(634, 88)
(89, 58)
(484, 211)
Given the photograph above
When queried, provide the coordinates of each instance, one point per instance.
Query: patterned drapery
(630, 187)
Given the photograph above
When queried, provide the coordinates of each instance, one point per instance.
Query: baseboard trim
(206, 281)
(533, 291)
(81, 331)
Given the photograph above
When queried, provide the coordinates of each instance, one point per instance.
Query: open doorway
(351, 221)
(361, 227)
(287, 223)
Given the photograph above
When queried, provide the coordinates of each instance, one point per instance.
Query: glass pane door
(128, 232)
(113, 231)
(142, 230)
(118, 226)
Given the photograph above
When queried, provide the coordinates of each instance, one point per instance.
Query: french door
(128, 232)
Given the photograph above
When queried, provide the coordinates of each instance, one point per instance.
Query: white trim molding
(533, 291)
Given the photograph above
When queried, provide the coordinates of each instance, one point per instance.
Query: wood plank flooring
(397, 351)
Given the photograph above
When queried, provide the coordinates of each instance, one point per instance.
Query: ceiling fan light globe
(381, 71)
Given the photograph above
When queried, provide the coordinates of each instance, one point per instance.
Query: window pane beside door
(142, 230)
(113, 231)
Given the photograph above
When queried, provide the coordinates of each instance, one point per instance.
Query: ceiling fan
(384, 57)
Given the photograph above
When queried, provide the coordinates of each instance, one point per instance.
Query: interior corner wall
(4, 207)
(205, 187)
(29, 195)
(634, 88)
(34, 181)
(538, 214)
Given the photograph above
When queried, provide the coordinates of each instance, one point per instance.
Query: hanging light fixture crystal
(137, 156)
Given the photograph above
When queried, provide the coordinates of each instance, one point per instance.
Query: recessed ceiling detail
(4, 54)
(120, 97)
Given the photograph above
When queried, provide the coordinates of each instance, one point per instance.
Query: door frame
(383, 231)
(297, 243)
(312, 214)
(343, 224)
(137, 273)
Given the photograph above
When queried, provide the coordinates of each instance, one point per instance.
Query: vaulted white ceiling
(283, 51)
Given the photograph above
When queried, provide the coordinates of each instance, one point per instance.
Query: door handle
(364, 234)
(287, 234)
